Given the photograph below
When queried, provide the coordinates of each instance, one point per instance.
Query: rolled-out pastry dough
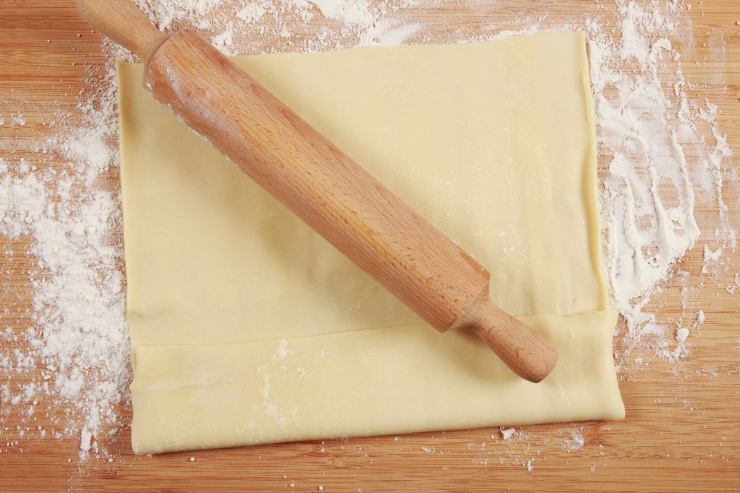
(247, 327)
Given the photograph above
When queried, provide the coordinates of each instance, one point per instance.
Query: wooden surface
(681, 428)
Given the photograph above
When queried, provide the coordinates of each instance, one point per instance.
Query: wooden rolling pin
(319, 183)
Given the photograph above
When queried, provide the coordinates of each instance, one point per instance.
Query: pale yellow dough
(247, 327)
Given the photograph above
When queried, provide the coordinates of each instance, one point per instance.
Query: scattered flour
(710, 257)
(78, 338)
(232, 24)
(508, 433)
(283, 350)
(251, 12)
(575, 442)
(650, 126)
(167, 14)
(677, 350)
(18, 120)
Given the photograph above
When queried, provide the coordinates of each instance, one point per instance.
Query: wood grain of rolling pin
(319, 183)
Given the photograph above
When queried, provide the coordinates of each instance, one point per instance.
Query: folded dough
(247, 327)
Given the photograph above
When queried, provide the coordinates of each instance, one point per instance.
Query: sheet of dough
(247, 327)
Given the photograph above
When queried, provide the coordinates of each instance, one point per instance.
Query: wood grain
(681, 428)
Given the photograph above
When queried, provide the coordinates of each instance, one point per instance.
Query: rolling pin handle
(125, 24)
(523, 350)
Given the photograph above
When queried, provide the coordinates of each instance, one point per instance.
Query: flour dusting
(78, 339)
(233, 25)
(575, 441)
(648, 125)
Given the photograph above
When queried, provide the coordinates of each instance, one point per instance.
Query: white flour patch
(78, 343)
(166, 14)
(18, 120)
(509, 433)
(666, 153)
(710, 258)
(232, 25)
(575, 441)
(283, 350)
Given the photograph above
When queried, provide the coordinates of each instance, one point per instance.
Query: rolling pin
(319, 183)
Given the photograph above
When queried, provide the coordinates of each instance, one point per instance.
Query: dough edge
(183, 401)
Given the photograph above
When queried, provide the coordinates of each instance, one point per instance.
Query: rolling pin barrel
(335, 196)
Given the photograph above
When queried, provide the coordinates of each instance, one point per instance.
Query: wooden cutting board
(681, 431)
